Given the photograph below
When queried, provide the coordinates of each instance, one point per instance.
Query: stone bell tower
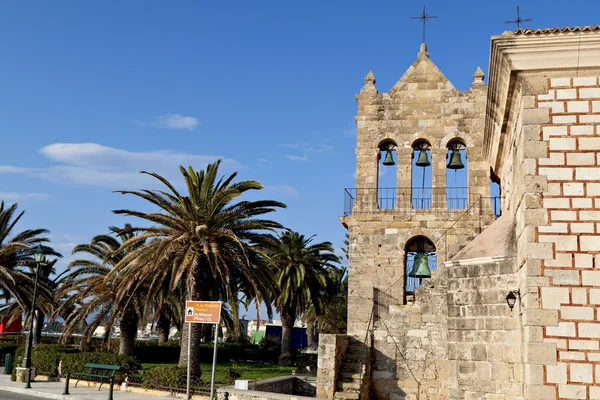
(423, 118)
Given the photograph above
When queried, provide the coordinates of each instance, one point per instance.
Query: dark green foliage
(226, 352)
(7, 348)
(304, 360)
(73, 363)
(44, 357)
(170, 376)
(233, 374)
(157, 354)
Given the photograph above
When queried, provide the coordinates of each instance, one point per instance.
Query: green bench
(102, 372)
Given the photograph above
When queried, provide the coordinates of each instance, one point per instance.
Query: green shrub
(44, 357)
(157, 354)
(7, 348)
(232, 375)
(304, 360)
(170, 376)
(72, 363)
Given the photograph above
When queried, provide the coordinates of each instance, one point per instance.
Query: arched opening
(387, 175)
(457, 176)
(421, 175)
(420, 260)
(495, 193)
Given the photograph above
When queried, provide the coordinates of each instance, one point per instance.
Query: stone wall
(484, 334)
(332, 349)
(282, 388)
(572, 260)
(543, 143)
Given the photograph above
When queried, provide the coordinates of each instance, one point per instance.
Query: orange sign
(203, 312)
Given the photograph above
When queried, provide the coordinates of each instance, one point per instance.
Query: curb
(36, 393)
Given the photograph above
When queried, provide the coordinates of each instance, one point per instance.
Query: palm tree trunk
(38, 325)
(235, 312)
(164, 327)
(194, 349)
(129, 325)
(195, 333)
(287, 326)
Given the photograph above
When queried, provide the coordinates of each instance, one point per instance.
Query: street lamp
(38, 256)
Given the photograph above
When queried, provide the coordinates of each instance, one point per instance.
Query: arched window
(387, 175)
(457, 184)
(421, 175)
(420, 259)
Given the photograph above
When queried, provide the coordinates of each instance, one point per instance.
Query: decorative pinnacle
(478, 76)
(423, 50)
(370, 79)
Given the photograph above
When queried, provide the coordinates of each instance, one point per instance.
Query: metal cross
(424, 17)
(519, 20)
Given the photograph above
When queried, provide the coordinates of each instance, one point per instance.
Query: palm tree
(300, 272)
(86, 290)
(333, 314)
(202, 239)
(17, 265)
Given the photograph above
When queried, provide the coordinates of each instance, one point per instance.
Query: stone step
(347, 376)
(346, 396)
(355, 357)
(351, 367)
(350, 386)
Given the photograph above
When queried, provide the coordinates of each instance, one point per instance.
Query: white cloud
(13, 197)
(96, 165)
(288, 190)
(263, 160)
(310, 147)
(297, 158)
(171, 121)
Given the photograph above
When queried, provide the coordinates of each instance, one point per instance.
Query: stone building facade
(535, 130)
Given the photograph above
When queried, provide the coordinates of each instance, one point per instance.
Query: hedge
(75, 362)
(44, 357)
(8, 348)
(238, 352)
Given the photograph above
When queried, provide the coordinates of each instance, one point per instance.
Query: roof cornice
(549, 54)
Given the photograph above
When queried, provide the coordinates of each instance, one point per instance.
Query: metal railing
(408, 200)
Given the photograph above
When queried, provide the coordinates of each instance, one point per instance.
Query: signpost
(202, 312)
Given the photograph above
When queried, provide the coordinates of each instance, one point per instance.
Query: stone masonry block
(540, 353)
(557, 144)
(535, 116)
(578, 106)
(564, 329)
(577, 313)
(589, 330)
(581, 373)
(587, 174)
(557, 373)
(557, 174)
(540, 317)
(589, 93)
(570, 392)
(554, 297)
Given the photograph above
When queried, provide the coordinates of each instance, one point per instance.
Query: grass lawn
(249, 371)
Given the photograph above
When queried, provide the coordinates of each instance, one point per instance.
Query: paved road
(14, 396)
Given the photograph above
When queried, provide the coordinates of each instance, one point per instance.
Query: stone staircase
(351, 373)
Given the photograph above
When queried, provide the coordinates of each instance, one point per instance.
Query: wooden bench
(102, 372)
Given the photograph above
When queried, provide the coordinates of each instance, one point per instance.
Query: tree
(200, 238)
(17, 265)
(87, 291)
(300, 273)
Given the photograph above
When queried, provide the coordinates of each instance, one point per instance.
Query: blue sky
(91, 93)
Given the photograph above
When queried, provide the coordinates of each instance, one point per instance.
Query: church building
(478, 275)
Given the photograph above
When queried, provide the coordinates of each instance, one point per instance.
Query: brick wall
(572, 201)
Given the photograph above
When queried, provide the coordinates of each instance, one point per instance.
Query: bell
(455, 161)
(420, 267)
(423, 161)
(388, 160)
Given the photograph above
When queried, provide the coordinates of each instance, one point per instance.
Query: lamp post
(38, 255)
